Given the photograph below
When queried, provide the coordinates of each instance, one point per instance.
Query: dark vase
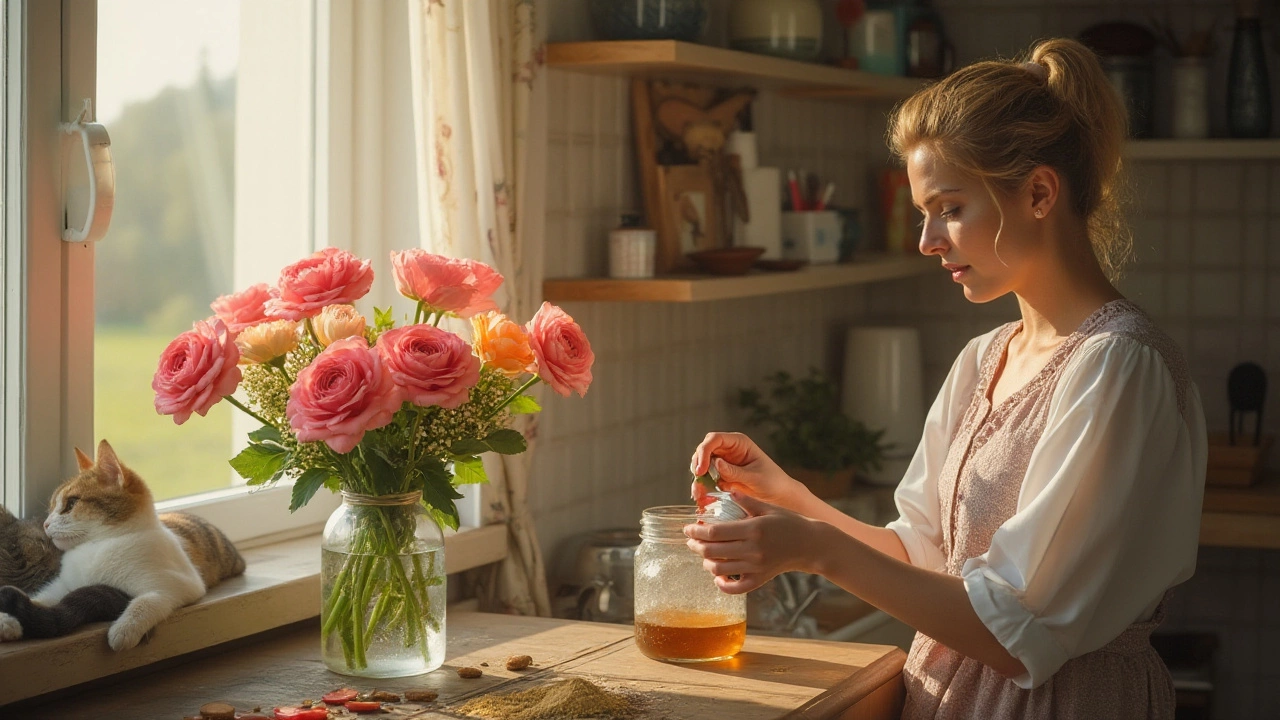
(1248, 87)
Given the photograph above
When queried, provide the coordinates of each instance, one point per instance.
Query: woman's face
(961, 223)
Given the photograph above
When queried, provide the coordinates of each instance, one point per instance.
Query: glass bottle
(383, 593)
(681, 616)
(1248, 87)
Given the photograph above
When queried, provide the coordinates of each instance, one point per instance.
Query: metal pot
(603, 571)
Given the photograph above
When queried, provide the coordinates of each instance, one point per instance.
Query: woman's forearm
(882, 539)
(934, 603)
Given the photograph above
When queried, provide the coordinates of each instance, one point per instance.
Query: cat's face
(105, 495)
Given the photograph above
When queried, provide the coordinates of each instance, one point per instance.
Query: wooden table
(770, 678)
(1244, 517)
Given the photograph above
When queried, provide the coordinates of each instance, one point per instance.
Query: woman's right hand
(745, 468)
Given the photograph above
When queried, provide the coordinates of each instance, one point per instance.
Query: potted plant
(811, 439)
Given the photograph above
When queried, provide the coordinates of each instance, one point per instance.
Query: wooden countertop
(770, 678)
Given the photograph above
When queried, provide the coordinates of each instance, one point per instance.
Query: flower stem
(514, 395)
(311, 330)
(417, 313)
(231, 399)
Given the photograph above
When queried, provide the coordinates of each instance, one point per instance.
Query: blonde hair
(998, 120)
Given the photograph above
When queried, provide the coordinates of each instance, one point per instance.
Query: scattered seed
(421, 695)
(470, 672)
(519, 662)
(384, 696)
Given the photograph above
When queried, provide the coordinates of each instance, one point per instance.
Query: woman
(1055, 495)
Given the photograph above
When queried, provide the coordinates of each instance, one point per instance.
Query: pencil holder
(811, 235)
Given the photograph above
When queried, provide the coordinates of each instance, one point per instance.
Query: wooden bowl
(727, 261)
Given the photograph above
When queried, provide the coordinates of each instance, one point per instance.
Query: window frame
(53, 279)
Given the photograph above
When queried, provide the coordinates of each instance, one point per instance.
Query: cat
(104, 521)
(28, 558)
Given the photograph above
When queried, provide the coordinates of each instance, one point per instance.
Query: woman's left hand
(771, 541)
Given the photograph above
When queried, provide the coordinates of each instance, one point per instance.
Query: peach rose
(329, 277)
(345, 392)
(563, 351)
(431, 366)
(336, 322)
(196, 370)
(502, 344)
(462, 287)
(243, 309)
(268, 341)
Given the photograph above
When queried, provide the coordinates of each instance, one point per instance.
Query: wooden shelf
(668, 57)
(699, 288)
(1222, 149)
(1243, 517)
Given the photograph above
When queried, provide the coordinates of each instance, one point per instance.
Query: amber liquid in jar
(681, 636)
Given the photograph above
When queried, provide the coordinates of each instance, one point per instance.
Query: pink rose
(563, 351)
(343, 393)
(431, 366)
(329, 277)
(462, 287)
(243, 309)
(196, 370)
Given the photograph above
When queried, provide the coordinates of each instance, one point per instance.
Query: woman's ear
(1044, 186)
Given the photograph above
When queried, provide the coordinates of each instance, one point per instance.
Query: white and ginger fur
(105, 521)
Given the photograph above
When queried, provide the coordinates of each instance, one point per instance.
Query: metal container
(603, 573)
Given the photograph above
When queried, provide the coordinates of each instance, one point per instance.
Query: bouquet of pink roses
(373, 409)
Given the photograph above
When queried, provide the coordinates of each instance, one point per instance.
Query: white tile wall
(1207, 267)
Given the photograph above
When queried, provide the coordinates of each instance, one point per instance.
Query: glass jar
(681, 616)
(382, 587)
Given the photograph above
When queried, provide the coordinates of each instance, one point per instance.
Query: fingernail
(693, 466)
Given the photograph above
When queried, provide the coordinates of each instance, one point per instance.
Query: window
(212, 116)
(268, 134)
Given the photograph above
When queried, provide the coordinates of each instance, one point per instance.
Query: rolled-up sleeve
(919, 523)
(1108, 516)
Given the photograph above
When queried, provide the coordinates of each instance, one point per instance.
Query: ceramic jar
(1190, 98)
(784, 28)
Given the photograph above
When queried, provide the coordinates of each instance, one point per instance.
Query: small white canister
(631, 249)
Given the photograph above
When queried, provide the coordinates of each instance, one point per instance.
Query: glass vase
(382, 587)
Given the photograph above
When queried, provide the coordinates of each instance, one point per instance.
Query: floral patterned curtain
(479, 119)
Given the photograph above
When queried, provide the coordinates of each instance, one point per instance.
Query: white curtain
(479, 117)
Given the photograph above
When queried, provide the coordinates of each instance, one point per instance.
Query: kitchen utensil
(603, 575)
(1246, 393)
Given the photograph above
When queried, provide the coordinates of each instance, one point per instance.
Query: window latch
(96, 145)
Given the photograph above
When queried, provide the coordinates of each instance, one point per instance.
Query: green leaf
(506, 441)
(469, 446)
(305, 487)
(468, 471)
(524, 405)
(438, 492)
(382, 319)
(266, 433)
(259, 463)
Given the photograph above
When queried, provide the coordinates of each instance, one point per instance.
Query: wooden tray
(1238, 465)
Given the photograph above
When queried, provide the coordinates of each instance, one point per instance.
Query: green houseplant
(810, 437)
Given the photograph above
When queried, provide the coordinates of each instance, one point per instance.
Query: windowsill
(280, 586)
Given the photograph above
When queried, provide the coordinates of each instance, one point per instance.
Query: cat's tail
(210, 551)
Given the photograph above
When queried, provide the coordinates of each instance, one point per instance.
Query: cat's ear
(110, 472)
(84, 461)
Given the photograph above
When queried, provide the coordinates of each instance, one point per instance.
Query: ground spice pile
(573, 698)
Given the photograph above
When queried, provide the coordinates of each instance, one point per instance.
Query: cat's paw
(10, 628)
(125, 634)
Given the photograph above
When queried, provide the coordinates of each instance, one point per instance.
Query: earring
(1039, 213)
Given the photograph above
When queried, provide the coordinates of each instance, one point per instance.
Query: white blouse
(1108, 514)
